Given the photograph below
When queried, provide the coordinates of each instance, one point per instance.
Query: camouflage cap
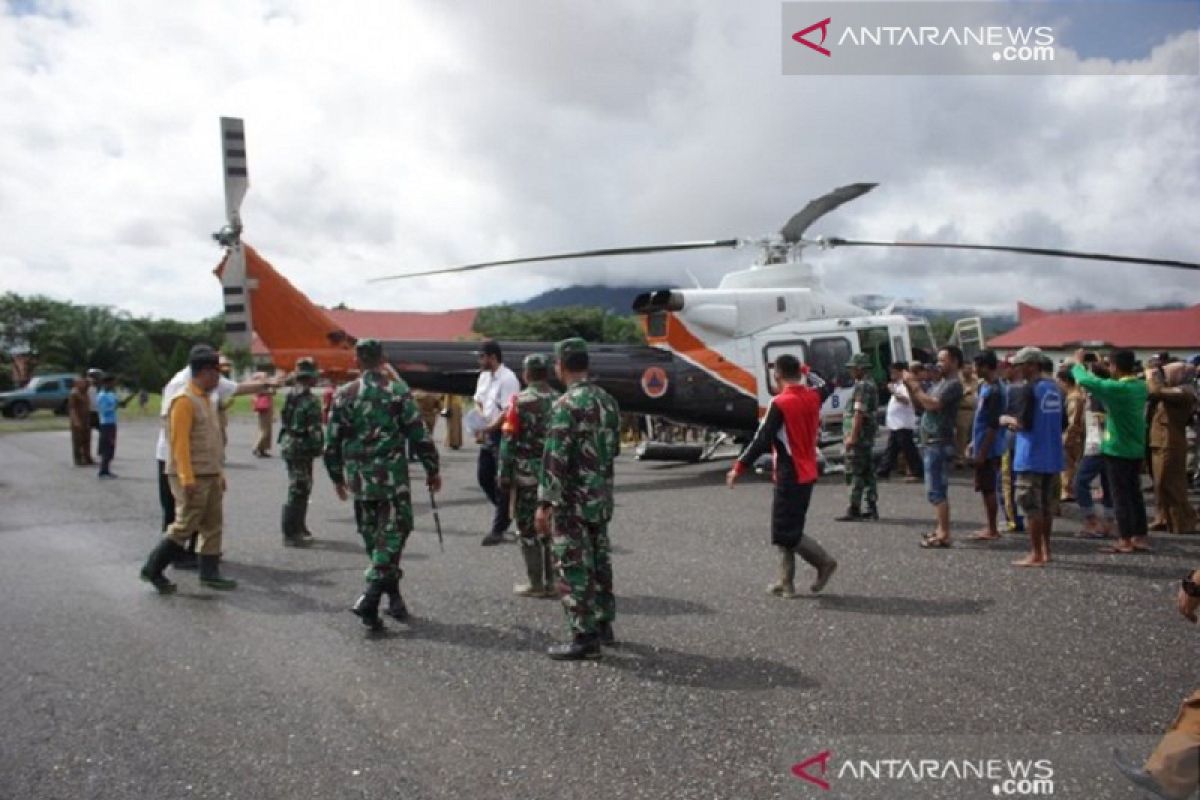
(307, 368)
(368, 348)
(1028, 355)
(859, 360)
(569, 347)
(536, 361)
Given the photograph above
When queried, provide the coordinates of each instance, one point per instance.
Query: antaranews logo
(822, 26)
(1007, 777)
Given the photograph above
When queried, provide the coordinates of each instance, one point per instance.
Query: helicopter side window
(828, 357)
(773, 351)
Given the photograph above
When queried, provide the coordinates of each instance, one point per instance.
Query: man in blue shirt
(1035, 414)
(988, 439)
(106, 407)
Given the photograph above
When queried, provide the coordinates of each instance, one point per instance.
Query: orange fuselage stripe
(688, 345)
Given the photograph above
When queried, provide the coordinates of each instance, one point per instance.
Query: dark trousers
(108, 446)
(165, 498)
(486, 475)
(1129, 507)
(898, 443)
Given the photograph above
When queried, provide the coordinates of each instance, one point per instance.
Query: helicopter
(709, 353)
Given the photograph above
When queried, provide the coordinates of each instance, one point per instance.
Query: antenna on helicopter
(238, 324)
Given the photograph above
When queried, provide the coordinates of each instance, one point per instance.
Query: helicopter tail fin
(287, 322)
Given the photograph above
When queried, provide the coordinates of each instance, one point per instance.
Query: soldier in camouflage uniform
(858, 429)
(522, 442)
(300, 440)
(575, 501)
(369, 423)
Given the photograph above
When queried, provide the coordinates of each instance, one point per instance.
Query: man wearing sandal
(938, 437)
(988, 441)
(1035, 418)
(1124, 444)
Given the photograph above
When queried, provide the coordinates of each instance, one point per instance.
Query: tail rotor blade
(237, 177)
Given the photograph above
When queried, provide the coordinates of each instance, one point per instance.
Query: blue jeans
(1089, 468)
(938, 457)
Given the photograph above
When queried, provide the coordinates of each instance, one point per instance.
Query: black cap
(201, 356)
(489, 348)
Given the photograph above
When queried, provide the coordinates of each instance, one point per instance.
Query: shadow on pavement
(650, 606)
(675, 667)
(904, 606)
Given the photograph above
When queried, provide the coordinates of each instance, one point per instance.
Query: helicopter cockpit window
(828, 357)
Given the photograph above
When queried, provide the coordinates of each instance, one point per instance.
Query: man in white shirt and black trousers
(495, 389)
(790, 429)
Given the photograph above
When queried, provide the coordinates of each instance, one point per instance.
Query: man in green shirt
(1124, 443)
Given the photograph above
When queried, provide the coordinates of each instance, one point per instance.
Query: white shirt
(900, 416)
(225, 390)
(494, 390)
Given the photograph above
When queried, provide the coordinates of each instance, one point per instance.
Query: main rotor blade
(612, 251)
(1032, 251)
(798, 224)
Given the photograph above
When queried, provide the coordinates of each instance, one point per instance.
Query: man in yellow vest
(195, 472)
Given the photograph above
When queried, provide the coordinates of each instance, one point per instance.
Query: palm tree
(92, 337)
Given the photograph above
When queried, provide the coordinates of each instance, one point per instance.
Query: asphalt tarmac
(108, 690)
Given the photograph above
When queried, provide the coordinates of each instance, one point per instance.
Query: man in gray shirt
(937, 430)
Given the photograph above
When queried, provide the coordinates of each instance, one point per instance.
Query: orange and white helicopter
(708, 353)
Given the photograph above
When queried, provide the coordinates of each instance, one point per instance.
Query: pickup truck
(42, 392)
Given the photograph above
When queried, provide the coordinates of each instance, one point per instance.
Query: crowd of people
(545, 459)
(1035, 435)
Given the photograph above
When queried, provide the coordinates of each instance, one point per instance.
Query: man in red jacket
(789, 430)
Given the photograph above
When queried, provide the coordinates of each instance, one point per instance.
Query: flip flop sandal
(980, 537)
(1117, 551)
(933, 543)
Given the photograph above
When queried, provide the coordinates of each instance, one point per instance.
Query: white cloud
(385, 137)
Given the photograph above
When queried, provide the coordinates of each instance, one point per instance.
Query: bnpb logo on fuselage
(655, 382)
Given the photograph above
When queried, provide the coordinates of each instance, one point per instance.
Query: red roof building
(1176, 330)
(447, 326)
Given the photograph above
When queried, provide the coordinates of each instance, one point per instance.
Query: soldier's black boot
(872, 512)
(583, 646)
(186, 558)
(210, 574)
(604, 632)
(160, 558)
(305, 534)
(852, 514)
(814, 554)
(293, 532)
(366, 607)
(397, 609)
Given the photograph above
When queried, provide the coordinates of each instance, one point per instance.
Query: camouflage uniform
(522, 442)
(301, 441)
(860, 469)
(582, 441)
(369, 422)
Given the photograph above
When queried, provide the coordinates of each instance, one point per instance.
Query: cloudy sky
(393, 136)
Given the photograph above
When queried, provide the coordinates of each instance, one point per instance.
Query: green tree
(550, 325)
(93, 337)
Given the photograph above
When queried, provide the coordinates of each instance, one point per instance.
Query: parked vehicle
(47, 392)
